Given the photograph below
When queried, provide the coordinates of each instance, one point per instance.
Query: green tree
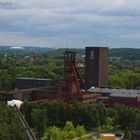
(102, 112)
(69, 131)
(80, 130)
(39, 121)
(124, 116)
(10, 125)
(108, 124)
(137, 122)
(26, 109)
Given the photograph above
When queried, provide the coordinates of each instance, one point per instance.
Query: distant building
(27, 83)
(27, 58)
(114, 58)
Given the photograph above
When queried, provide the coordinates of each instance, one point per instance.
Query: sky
(70, 23)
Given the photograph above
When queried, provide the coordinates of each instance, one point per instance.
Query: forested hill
(125, 53)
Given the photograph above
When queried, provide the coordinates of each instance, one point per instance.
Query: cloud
(10, 37)
(78, 22)
(131, 36)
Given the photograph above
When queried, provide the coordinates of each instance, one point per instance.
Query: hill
(125, 53)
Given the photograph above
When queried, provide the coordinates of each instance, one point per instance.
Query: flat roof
(26, 78)
(127, 95)
(117, 92)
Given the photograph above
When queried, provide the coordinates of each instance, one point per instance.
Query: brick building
(96, 67)
(122, 96)
(27, 83)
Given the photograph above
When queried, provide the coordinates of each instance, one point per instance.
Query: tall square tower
(96, 67)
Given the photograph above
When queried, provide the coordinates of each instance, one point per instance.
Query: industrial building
(121, 96)
(73, 86)
(27, 83)
(96, 67)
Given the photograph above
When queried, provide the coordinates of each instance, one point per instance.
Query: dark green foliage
(127, 134)
(39, 120)
(44, 115)
(123, 78)
(89, 115)
(111, 112)
(95, 115)
(26, 109)
(102, 111)
(125, 53)
(76, 113)
(137, 122)
(10, 125)
(56, 112)
(124, 116)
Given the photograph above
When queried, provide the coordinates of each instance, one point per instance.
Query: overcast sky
(70, 23)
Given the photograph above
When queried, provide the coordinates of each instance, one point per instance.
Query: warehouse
(123, 96)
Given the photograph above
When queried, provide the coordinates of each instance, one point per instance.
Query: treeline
(41, 68)
(57, 119)
(92, 116)
(10, 125)
(51, 65)
(123, 78)
(47, 65)
(125, 53)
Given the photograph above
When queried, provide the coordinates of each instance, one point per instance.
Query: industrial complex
(94, 88)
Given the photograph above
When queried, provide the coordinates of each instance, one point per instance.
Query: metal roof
(117, 92)
(128, 95)
(26, 78)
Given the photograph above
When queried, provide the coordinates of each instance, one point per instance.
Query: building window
(91, 54)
